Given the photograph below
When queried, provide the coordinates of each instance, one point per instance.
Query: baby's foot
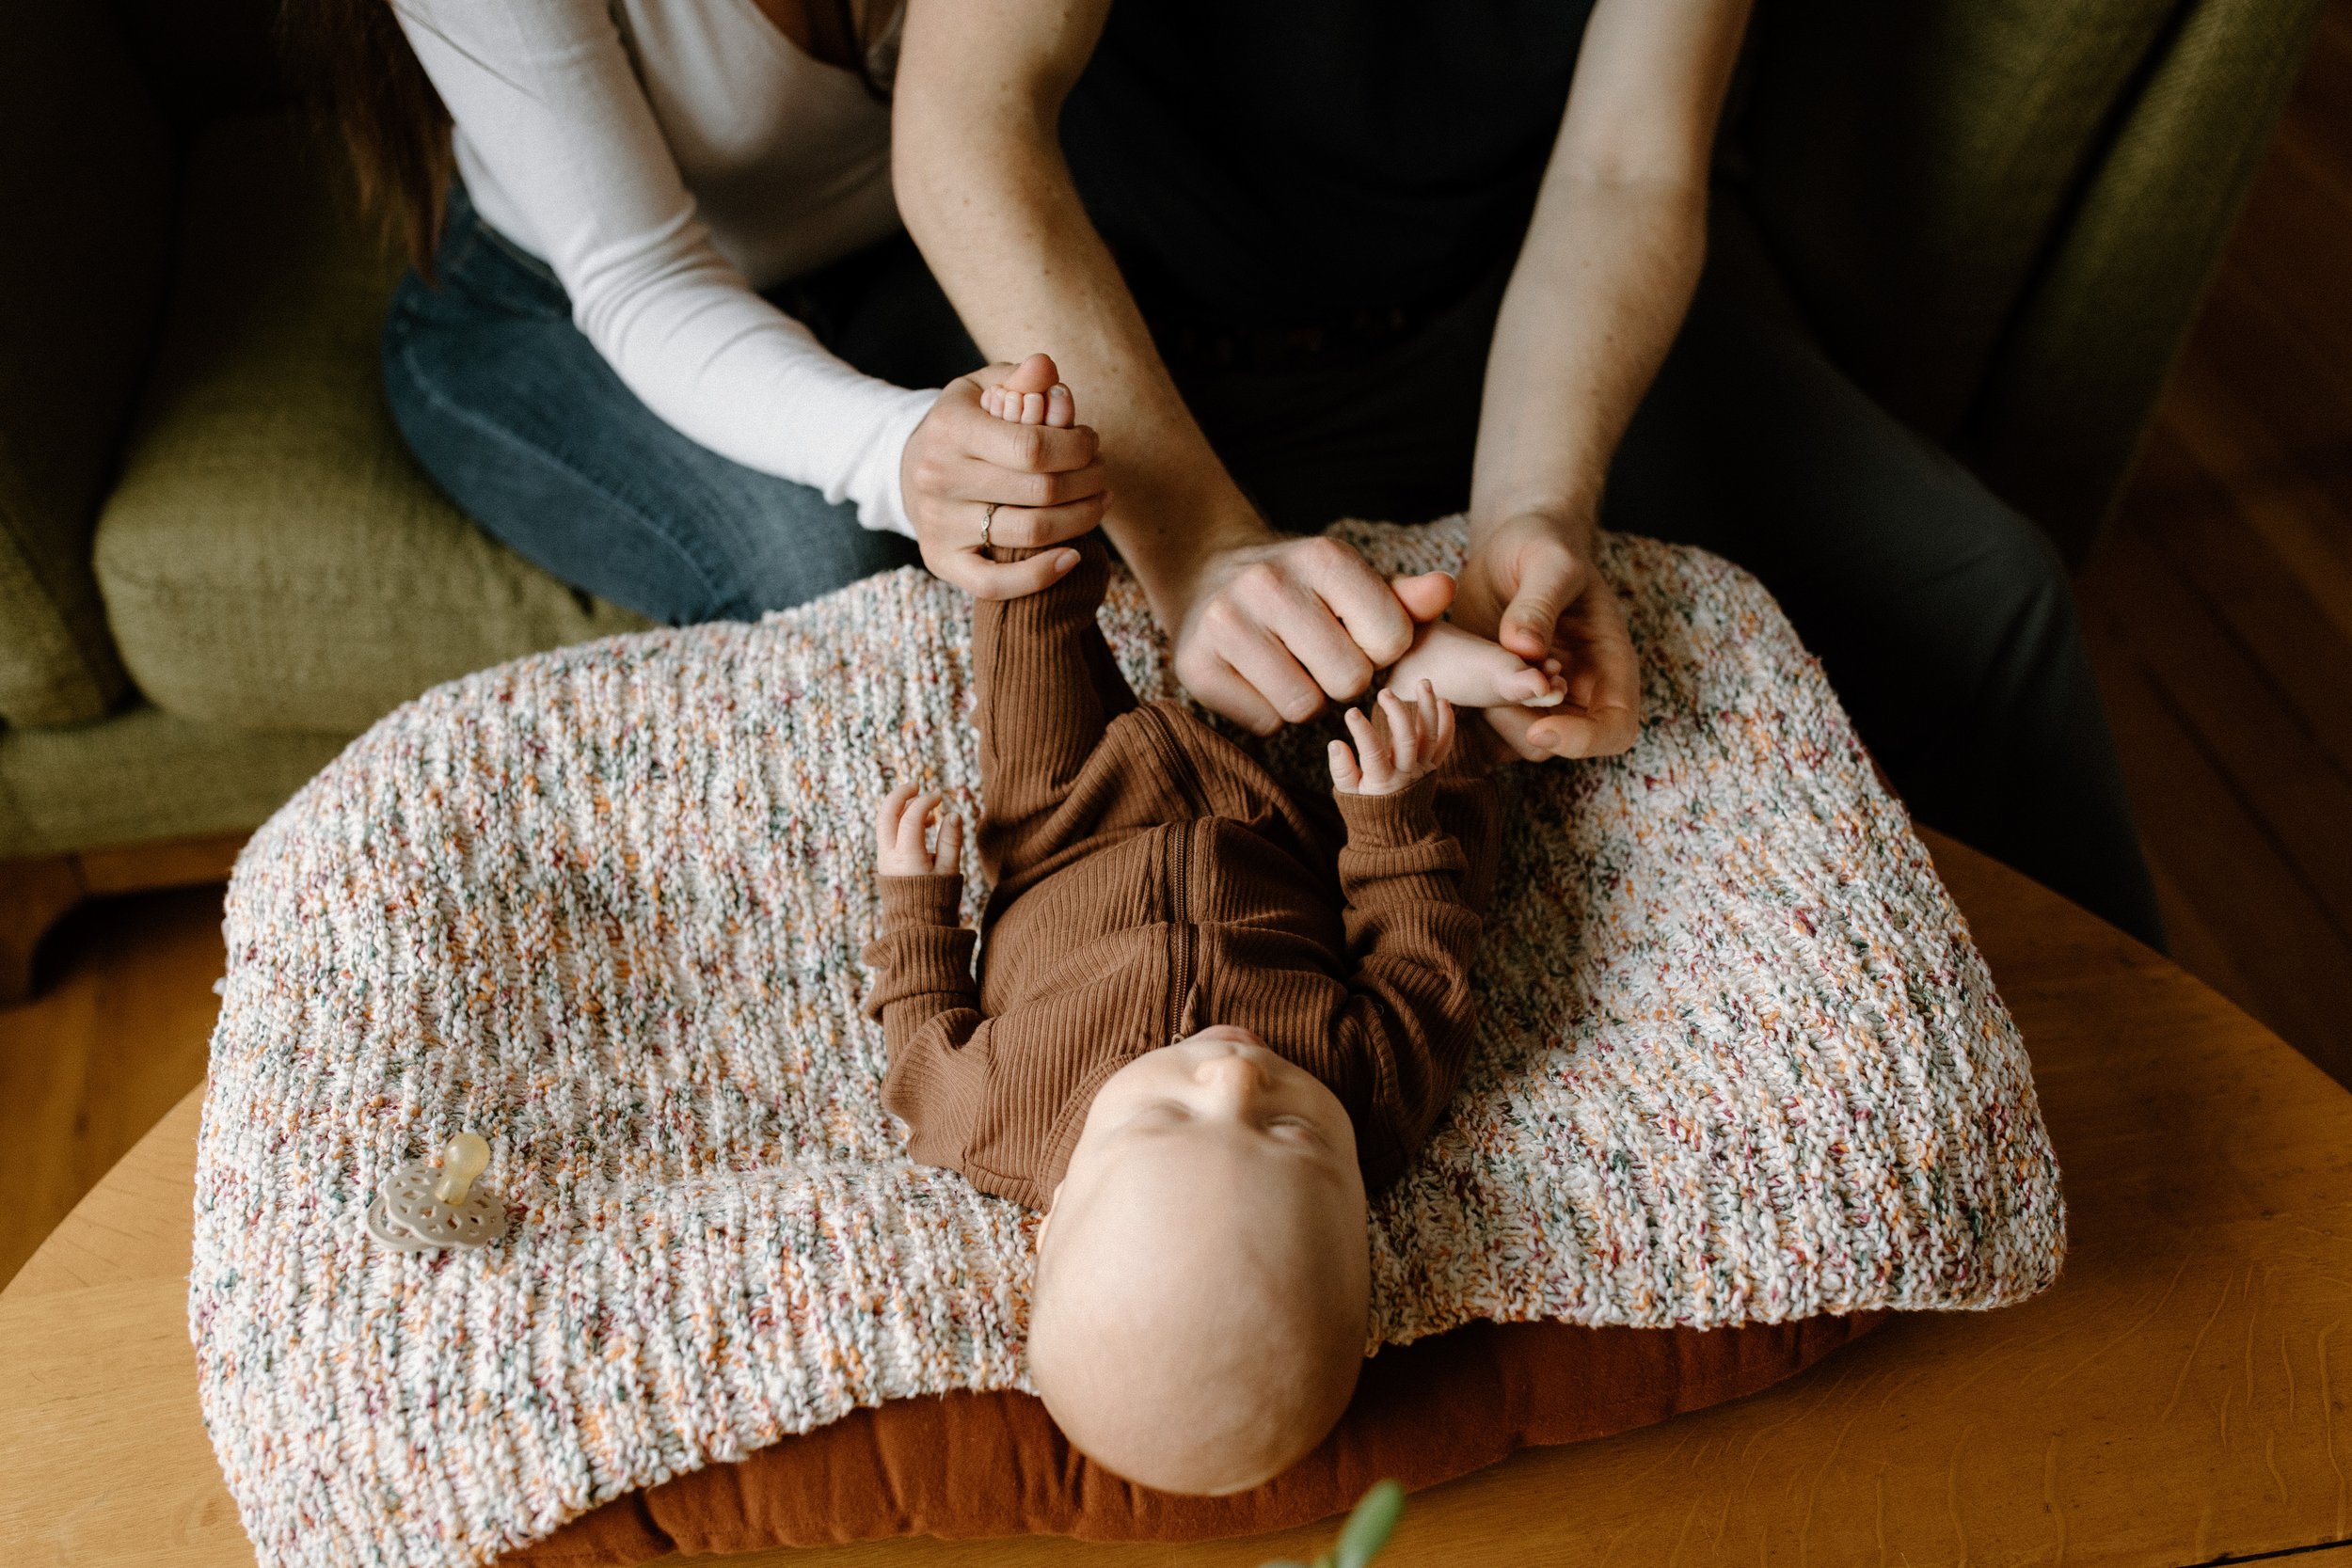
(1471, 671)
(1032, 395)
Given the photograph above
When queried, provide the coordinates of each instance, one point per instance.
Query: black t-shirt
(1261, 162)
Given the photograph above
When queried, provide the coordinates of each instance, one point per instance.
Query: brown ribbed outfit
(1151, 880)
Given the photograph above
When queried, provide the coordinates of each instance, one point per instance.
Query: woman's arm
(1603, 281)
(546, 96)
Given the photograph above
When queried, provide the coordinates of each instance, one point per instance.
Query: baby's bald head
(1201, 1308)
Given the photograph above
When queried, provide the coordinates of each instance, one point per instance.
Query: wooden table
(2180, 1397)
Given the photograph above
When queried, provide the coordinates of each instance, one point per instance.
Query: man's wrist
(1576, 521)
(1174, 562)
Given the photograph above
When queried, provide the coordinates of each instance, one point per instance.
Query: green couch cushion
(142, 775)
(85, 171)
(273, 557)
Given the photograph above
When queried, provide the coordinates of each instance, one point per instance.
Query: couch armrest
(86, 171)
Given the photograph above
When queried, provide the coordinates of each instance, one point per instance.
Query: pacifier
(423, 1208)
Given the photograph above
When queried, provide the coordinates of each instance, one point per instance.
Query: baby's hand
(1412, 740)
(898, 834)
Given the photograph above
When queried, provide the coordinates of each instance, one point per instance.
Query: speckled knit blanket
(1740, 1061)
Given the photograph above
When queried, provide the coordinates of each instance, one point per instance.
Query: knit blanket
(1738, 1061)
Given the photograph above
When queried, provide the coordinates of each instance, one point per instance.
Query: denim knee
(812, 551)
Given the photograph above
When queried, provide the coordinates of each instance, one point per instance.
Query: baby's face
(1202, 1278)
(1222, 1087)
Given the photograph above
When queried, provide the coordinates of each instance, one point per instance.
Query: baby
(1199, 1033)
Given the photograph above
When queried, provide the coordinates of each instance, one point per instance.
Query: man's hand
(1049, 484)
(1530, 584)
(1276, 627)
(899, 833)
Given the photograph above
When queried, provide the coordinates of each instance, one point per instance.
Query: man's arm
(1265, 628)
(1603, 281)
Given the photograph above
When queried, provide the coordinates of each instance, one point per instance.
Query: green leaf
(1368, 1526)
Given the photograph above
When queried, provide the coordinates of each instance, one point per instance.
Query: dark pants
(1943, 618)
(527, 428)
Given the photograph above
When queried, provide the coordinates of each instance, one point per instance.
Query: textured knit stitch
(1738, 1061)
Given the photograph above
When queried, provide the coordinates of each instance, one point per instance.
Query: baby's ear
(1425, 597)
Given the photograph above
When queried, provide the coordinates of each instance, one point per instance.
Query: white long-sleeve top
(663, 191)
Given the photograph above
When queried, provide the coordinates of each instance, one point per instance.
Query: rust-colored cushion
(983, 1464)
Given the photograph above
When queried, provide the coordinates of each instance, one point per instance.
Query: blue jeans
(520, 421)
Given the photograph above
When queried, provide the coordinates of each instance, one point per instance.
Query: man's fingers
(1301, 621)
(1602, 732)
(1512, 725)
(983, 578)
(1224, 689)
(1549, 578)
(1604, 715)
(1426, 596)
(1259, 658)
(1358, 596)
(1583, 734)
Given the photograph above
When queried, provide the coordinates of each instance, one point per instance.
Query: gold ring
(986, 517)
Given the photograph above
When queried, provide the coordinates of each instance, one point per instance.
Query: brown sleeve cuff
(1391, 822)
(920, 960)
(921, 901)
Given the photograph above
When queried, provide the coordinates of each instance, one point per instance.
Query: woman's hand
(1529, 584)
(1047, 482)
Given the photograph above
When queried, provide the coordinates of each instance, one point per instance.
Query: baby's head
(1203, 1275)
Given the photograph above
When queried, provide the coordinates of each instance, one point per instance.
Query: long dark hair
(358, 70)
(366, 82)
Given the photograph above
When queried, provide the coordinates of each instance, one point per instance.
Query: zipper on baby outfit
(1179, 930)
(1183, 932)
